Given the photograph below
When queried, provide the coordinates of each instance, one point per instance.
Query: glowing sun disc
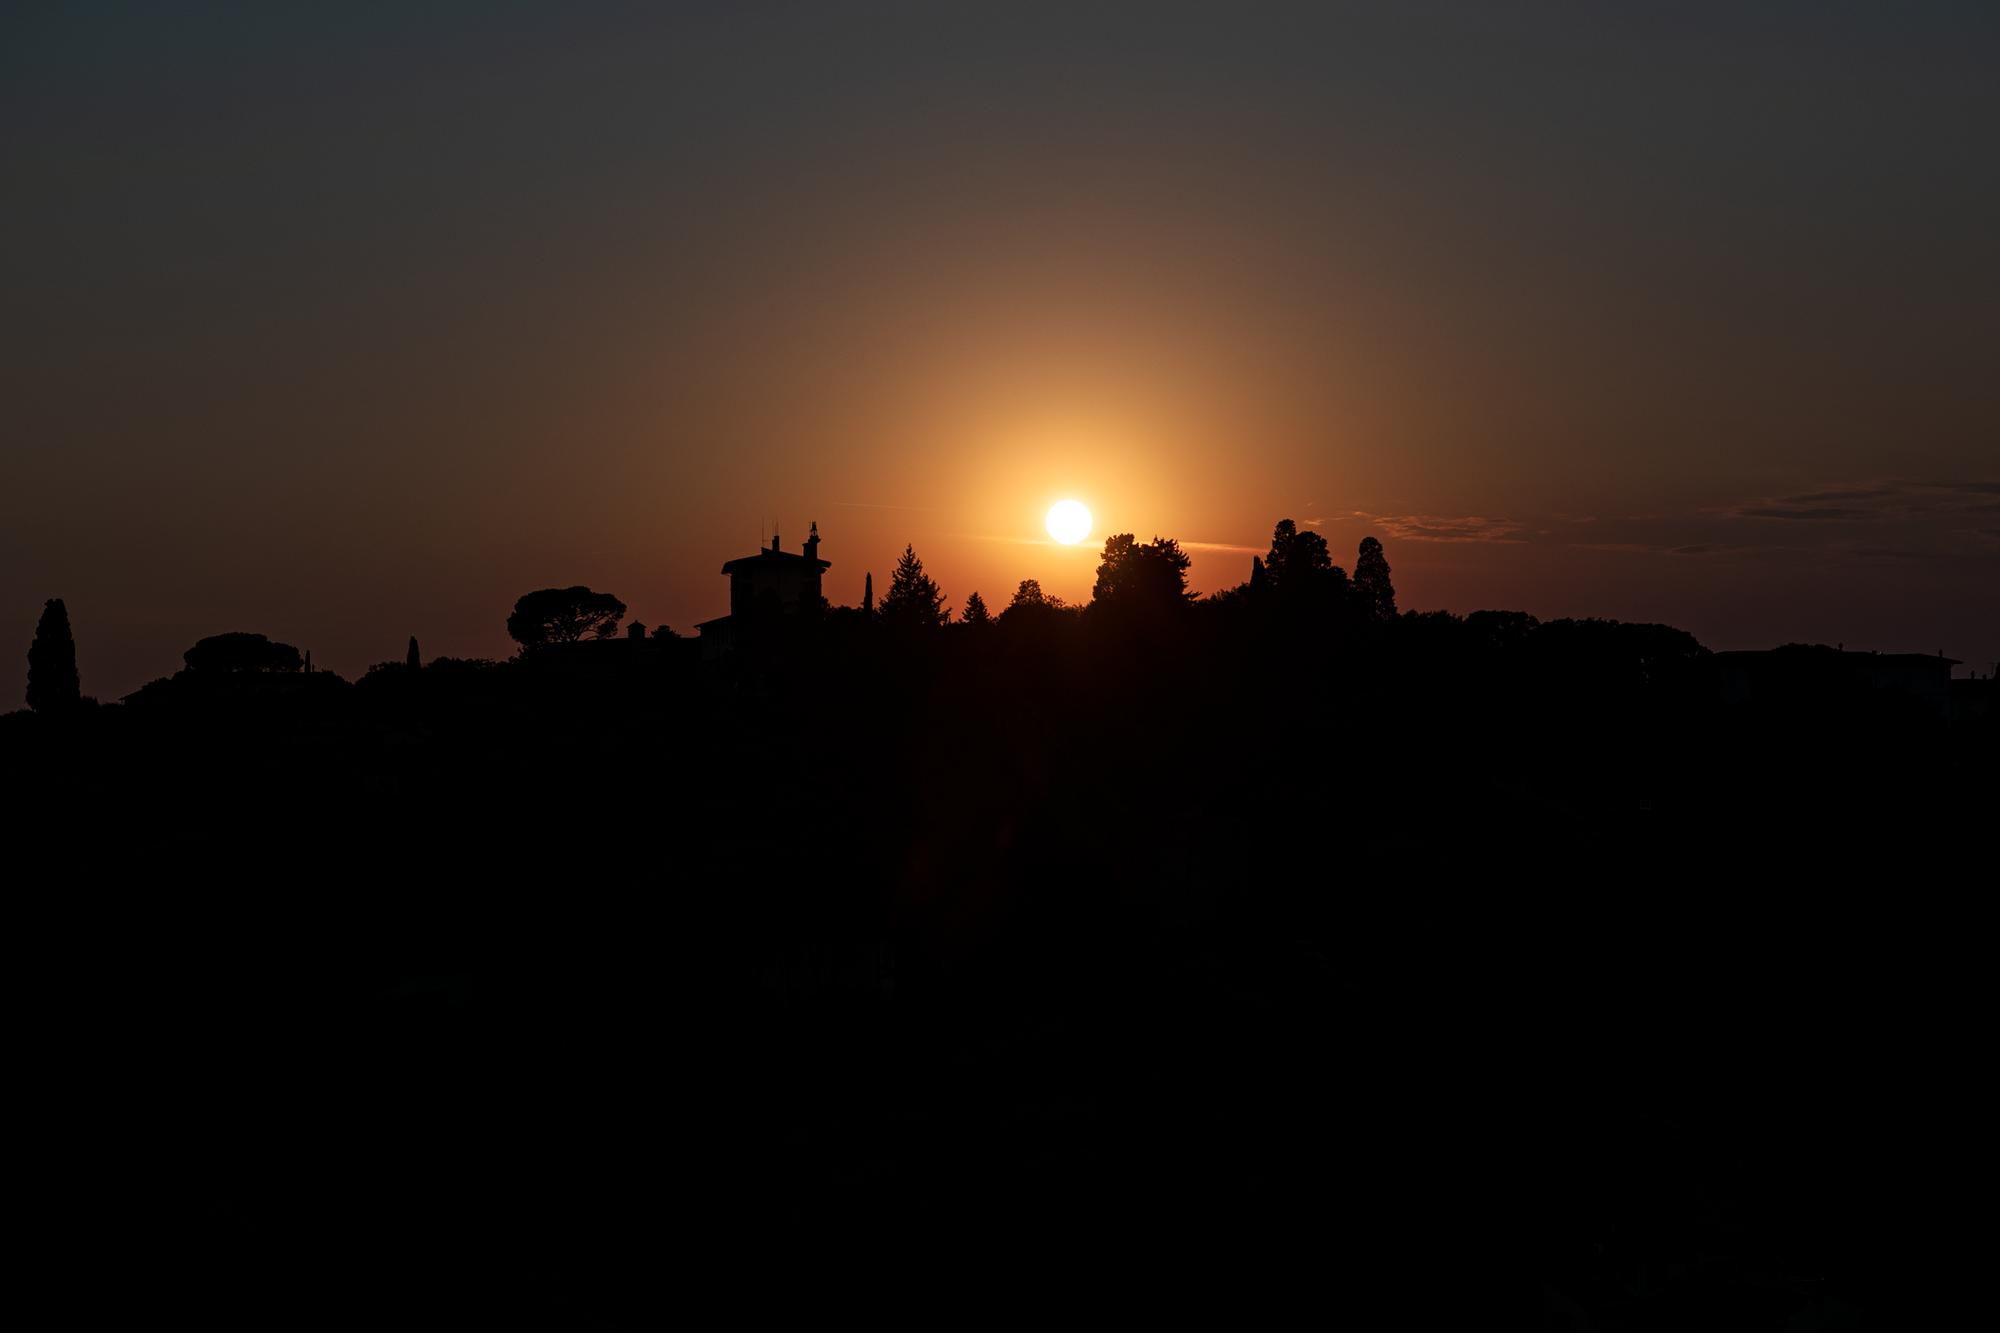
(1069, 522)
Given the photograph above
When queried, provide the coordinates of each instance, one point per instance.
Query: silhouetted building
(1749, 675)
(791, 580)
(1973, 698)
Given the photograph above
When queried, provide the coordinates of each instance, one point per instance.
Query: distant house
(1750, 675)
(791, 581)
(621, 655)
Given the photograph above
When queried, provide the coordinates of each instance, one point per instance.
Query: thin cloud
(1818, 496)
(1093, 546)
(1882, 553)
(1875, 501)
(857, 504)
(1835, 514)
(1642, 548)
(1429, 528)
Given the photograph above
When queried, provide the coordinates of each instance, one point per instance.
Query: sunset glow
(1556, 311)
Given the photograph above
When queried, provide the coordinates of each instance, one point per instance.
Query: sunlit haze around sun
(1069, 522)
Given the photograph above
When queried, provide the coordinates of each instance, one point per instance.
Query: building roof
(767, 559)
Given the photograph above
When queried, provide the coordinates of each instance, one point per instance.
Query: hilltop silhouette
(884, 875)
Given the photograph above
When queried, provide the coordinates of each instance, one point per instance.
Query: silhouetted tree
(1299, 574)
(1371, 581)
(1132, 578)
(662, 632)
(868, 593)
(1237, 596)
(241, 654)
(412, 659)
(1032, 606)
(1500, 629)
(564, 615)
(913, 599)
(1282, 538)
(53, 684)
(1029, 594)
(1297, 559)
(975, 611)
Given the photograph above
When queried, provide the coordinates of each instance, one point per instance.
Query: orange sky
(347, 326)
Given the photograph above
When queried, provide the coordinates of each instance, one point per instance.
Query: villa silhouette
(790, 580)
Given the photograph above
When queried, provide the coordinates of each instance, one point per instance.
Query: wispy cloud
(1887, 500)
(1817, 496)
(1886, 554)
(1429, 528)
(857, 504)
(1803, 513)
(1094, 546)
(1643, 548)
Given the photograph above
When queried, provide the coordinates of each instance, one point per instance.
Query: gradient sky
(342, 323)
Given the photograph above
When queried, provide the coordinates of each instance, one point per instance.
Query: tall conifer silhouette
(1371, 581)
(413, 660)
(913, 598)
(52, 679)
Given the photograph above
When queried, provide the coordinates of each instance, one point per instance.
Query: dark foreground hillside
(1517, 957)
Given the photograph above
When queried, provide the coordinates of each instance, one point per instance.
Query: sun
(1069, 522)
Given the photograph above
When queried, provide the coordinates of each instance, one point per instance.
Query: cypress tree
(413, 661)
(1277, 563)
(52, 680)
(868, 592)
(1371, 581)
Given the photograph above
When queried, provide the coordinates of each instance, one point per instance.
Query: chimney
(774, 541)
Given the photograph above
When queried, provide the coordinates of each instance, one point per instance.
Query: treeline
(1298, 676)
